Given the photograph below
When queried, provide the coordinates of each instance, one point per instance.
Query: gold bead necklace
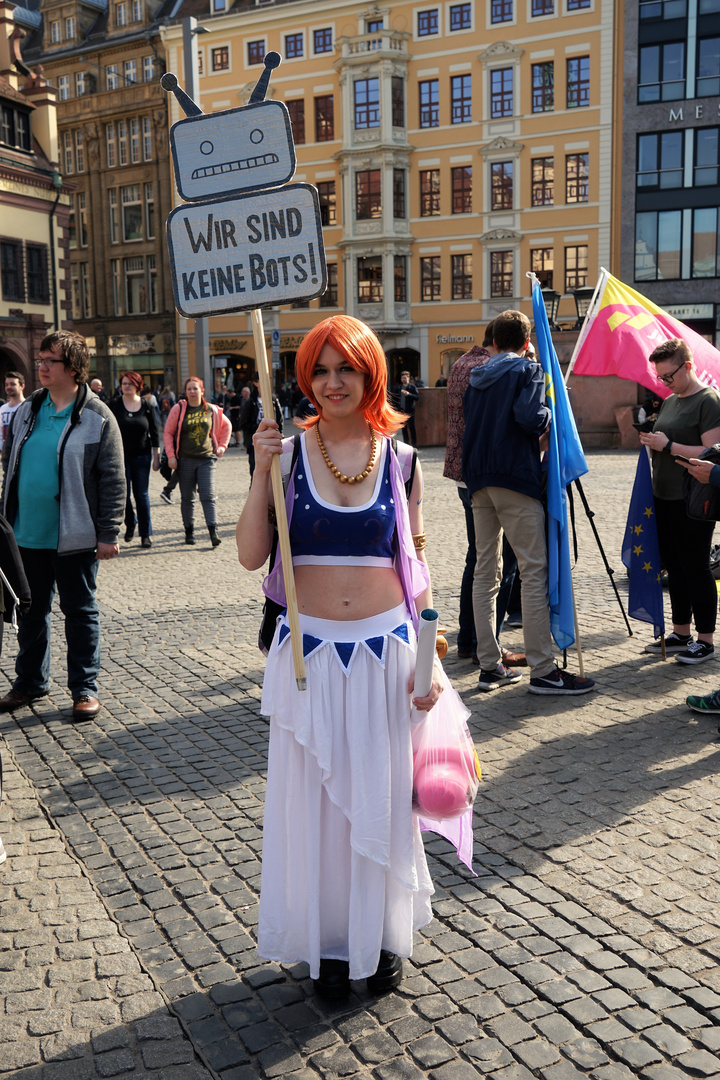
(334, 469)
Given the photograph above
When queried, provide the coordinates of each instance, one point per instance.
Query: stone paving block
(634, 1053)
(510, 1029)
(430, 1051)
(536, 1053)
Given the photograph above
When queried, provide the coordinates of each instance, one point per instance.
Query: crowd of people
(339, 797)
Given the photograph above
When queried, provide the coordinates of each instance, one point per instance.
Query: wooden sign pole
(279, 496)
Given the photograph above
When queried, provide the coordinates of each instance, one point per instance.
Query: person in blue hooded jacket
(505, 417)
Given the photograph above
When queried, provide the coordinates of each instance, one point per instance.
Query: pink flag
(622, 329)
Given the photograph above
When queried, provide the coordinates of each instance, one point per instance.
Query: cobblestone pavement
(587, 945)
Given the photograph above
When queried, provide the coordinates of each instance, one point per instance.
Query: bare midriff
(346, 592)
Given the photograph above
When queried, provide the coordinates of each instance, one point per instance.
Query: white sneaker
(3, 854)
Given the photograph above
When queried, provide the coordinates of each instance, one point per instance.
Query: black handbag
(702, 501)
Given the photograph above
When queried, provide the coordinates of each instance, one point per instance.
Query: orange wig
(359, 345)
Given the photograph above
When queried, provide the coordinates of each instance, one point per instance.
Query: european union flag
(565, 463)
(641, 552)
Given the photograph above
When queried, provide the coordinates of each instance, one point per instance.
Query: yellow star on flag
(637, 550)
(637, 529)
(647, 566)
(648, 512)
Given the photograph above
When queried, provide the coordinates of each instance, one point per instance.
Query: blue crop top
(322, 534)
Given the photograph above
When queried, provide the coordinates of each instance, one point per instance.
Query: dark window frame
(330, 297)
(323, 39)
(502, 279)
(368, 194)
(543, 89)
(430, 279)
(370, 284)
(429, 192)
(12, 270)
(328, 202)
(294, 46)
(429, 99)
(461, 176)
(461, 99)
(37, 266)
(296, 108)
(399, 194)
(366, 103)
(220, 58)
(460, 17)
(578, 82)
(502, 99)
(542, 181)
(428, 23)
(256, 52)
(576, 277)
(539, 267)
(577, 178)
(502, 193)
(324, 109)
(461, 276)
(501, 11)
(400, 293)
(397, 101)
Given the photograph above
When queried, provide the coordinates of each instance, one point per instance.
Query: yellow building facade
(455, 146)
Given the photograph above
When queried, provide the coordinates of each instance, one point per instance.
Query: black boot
(189, 534)
(334, 981)
(388, 974)
(212, 529)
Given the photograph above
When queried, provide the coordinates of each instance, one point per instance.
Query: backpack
(271, 609)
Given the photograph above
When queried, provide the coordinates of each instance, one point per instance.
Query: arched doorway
(402, 360)
(12, 360)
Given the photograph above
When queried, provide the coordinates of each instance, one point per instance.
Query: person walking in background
(688, 421)
(141, 441)
(406, 395)
(15, 395)
(64, 495)
(252, 413)
(97, 388)
(196, 436)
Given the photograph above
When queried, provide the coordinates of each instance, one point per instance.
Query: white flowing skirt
(344, 873)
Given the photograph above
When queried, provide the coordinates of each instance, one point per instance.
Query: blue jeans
(137, 477)
(466, 638)
(75, 577)
(197, 473)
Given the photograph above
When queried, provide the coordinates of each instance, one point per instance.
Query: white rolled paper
(427, 637)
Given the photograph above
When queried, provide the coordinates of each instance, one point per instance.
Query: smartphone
(679, 457)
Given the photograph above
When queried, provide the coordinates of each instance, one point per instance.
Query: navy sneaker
(561, 682)
(501, 676)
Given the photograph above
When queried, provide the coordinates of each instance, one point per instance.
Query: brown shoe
(14, 699)
(85, 707)
(513, 659)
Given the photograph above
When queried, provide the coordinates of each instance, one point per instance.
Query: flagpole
(663, 649)
(601, 282)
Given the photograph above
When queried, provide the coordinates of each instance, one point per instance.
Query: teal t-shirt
(37, 521)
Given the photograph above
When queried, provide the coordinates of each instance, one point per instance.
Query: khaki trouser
(522, 519)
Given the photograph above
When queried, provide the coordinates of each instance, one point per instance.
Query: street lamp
(583, 299)
(551, 300)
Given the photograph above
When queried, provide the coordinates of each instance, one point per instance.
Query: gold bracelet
(419, 540)
(272, 516)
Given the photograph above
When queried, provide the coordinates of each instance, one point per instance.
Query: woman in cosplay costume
(344, 876)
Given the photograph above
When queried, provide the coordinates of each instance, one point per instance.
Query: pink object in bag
(444, 781)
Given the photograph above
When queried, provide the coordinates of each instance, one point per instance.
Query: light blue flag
(641, 552)
(565, 463)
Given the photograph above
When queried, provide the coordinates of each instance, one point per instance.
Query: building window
(542, 7)
(132, 213)
(110, 153)
(38, 281)
(708, 69)
(705, 243)
(462, 189)
(429, 103)
(220, 58)
(461, 99)
(148, 68)
(111, 77)
(541, 264)
(501, 183)
(64, 88)
(543, 180)
(501, 273)
(501, 11)
(322, 40)
(121, 14)
(330, 297)
(147, 138)
(578, 82)
(79, 151)
(707, 157)
(662, 72)
(11, 270)
(326, 193)
(14, 127)
(368, 195)
(70, 28)
(428, 23)
(219, 6)
(130, 71)
(576, 267)
(68, 158)
(72, 230)
(75, 286)
(80, 83)
(659, 10)
(152, 283)
(296, 108)
(122, 142)
(370, 283)
(324, 118)
(429, 192)
(116, 287)
(135, 290)
(543, 87)
(135, 141)
(579, 5)
(501, 92)
(397, 101)
(85, 291)
(255, 52)
(658, 245)
(113, 215)
(294, 46)
(576, 178)
(55, 32)
(460, 17)
(81, 218)
(150, 211)
(462, 277)
(399, 202)
(430, 277)
(400, 279)
(367, 103)
(137, 12)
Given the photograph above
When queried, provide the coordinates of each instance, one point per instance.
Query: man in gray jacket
(64, 496)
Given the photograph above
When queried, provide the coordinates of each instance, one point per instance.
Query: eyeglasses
(668, 379)
(47, 361)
